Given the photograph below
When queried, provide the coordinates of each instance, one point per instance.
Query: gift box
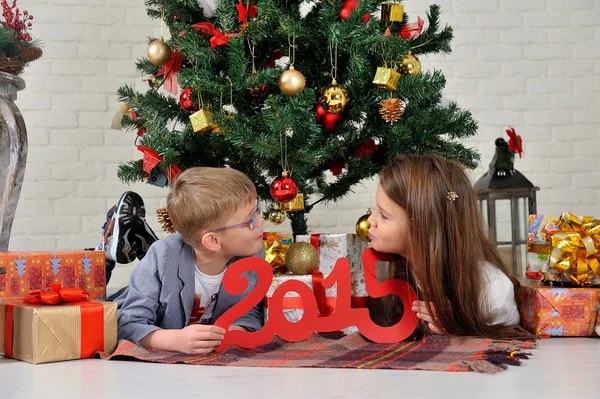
(559, 311)
(52, 333)
(292, 304)
(332, 247)
(23, 272)
(276, 245)
(563, 249)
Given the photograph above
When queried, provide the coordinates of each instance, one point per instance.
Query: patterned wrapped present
(292, 304)
(23, 272)
(276, 245)
(52, 331)
(331, 247)
(559, 311)
(563, 249)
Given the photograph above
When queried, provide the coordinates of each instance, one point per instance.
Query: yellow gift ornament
(577, 247)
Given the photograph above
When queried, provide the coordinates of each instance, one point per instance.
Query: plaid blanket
(432, 352)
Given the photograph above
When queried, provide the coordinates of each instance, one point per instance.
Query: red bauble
(327, 120)
(185, 99)
(284, 189)
(347, 9)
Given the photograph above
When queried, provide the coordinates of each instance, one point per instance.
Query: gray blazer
(161, 291)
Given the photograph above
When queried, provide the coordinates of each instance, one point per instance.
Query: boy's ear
(211, 242)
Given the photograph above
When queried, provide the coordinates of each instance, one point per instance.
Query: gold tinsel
(391, 110)
(165, 220)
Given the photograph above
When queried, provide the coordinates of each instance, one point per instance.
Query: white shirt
(206, 294)
(498, 300)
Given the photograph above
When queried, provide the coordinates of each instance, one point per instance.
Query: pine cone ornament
(30, 54)
(165, 220)
(392, 109)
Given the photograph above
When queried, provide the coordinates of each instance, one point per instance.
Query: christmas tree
(311, 89)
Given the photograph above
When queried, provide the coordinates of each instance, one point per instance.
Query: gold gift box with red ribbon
(23, 272)
(565, 249)
(57, 325)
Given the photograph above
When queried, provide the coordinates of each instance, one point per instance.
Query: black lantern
(503, 191)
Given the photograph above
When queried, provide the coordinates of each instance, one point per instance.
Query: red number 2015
(342, 316)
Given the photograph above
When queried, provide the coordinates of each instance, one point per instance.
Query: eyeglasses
(253, 222)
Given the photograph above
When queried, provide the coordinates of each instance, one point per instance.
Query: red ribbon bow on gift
(56, 295)
(218, 38)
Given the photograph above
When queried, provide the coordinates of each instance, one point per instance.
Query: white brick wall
(532, 64)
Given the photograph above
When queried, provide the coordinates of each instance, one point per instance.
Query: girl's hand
(431, 319)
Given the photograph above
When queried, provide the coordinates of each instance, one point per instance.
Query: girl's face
(389, 226)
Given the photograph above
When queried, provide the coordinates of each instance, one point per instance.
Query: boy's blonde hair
(204, 198)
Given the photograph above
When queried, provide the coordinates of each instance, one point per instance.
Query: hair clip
(452, 196)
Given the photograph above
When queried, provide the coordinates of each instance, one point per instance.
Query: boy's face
(244, 240)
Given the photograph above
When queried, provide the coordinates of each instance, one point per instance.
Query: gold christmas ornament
(276, 216)
(202, 121)
(391, 110)
(410, 65)
(291, 82)
(118, 118)
(159, 52)
(386, 78)
(302, 258)
(362, 226)
(164, 220)
(297, 204)
(334, 98)
(392, 12)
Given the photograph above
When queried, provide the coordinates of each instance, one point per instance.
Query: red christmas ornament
(365, 18)
(327, 120)
(186, 102)
(367, 148)
(336, 167)
(284, 189)
(347, 9)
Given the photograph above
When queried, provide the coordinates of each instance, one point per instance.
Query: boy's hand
(197, 339)
(431, 319)
(239, 328)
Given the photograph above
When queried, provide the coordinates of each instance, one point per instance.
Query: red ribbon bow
(218, 38)
(152, 159)
(56, 295)
(412, 30)
(169, 72)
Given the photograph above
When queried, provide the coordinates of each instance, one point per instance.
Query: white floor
(559, 368)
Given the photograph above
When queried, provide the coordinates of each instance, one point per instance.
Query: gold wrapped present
(386, 78)
(297, 204)
(276, 245)
(43, 333)
(392, 12)
(202, 121)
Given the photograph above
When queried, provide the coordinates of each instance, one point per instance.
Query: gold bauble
(334, 98)
(159, 52)
(276, 216)
(410, 65)
(302, 258)
(362, 226)
(291, 82)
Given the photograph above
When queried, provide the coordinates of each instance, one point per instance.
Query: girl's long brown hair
(448, 245)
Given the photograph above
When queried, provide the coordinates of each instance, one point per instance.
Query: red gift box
(23, 272)
(559, 311)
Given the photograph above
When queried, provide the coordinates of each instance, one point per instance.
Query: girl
(427, 214)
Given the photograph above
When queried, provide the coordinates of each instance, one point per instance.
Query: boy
(175, 292)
